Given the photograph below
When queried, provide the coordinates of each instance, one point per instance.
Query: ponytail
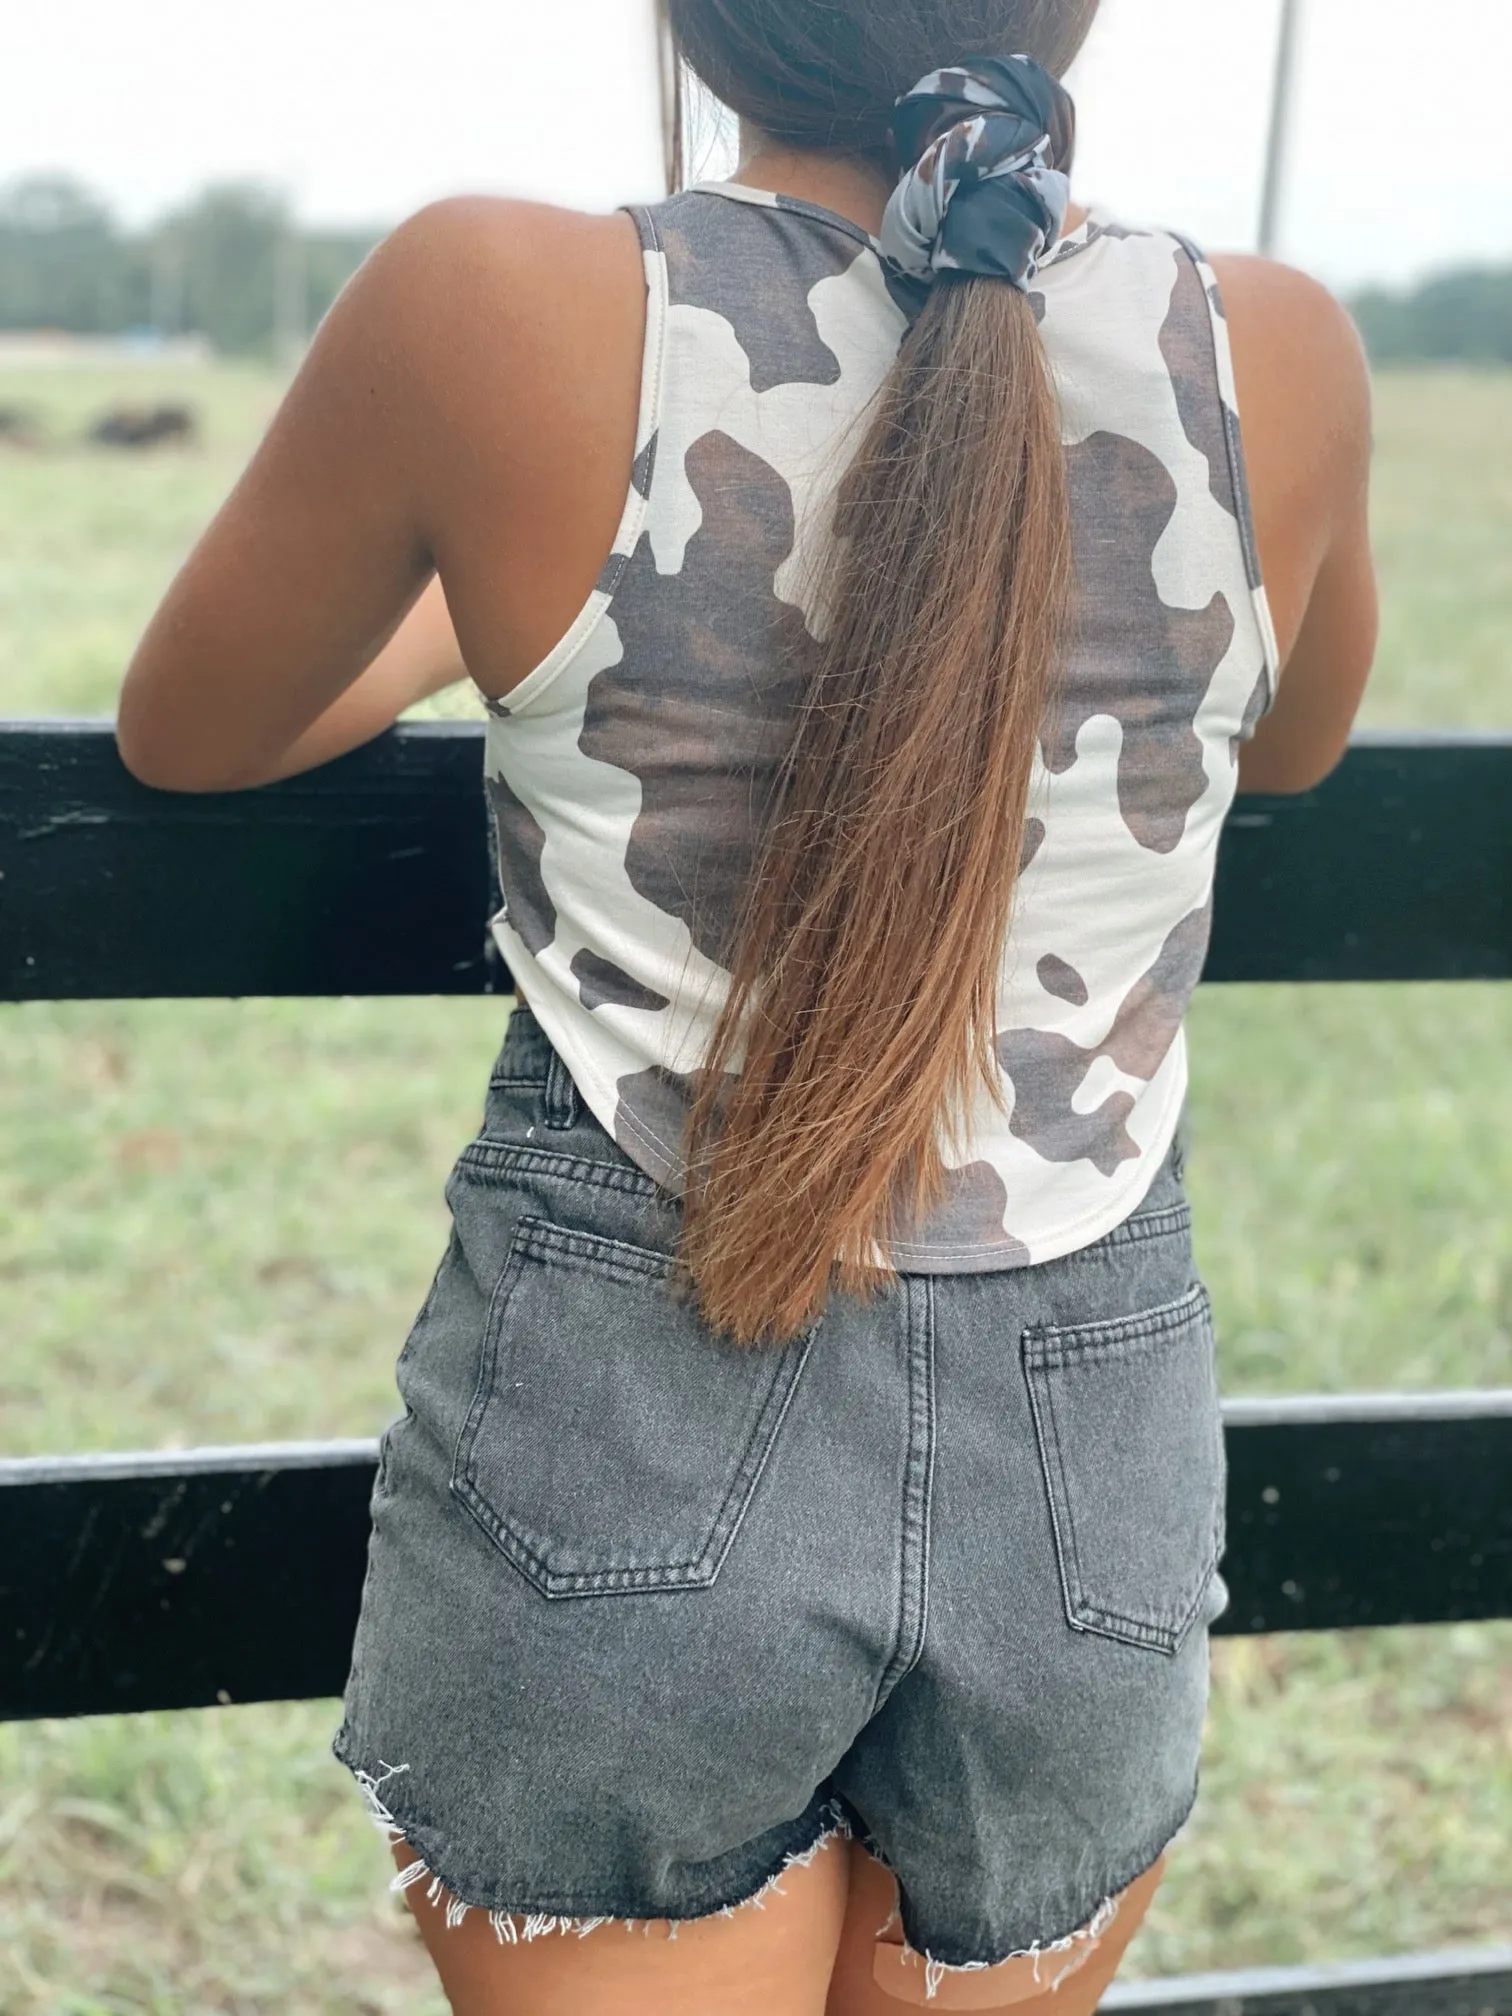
(860, 1017)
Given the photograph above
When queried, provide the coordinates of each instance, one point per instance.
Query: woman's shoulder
(1302, 380)
(511, 310)
(496, 308)
(517, 330)
(1290, 320)
(512, 258)
(511, 229)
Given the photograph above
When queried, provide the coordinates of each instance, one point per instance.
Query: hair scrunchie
(985, 147)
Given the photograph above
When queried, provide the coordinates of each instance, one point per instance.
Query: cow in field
(20, 427)
(145, 426)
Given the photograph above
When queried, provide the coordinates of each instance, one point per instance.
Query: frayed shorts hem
(517, 1921)
(939, 1958)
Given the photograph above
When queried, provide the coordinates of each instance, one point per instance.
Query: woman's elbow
(170, 763)
(1286, 772)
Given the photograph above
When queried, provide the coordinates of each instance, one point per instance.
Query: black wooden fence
(232, 1575)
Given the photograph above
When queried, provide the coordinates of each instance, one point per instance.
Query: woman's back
(630, 769)
(507, 344)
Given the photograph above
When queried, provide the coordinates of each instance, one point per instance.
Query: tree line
(1464, 316)
(232, 264)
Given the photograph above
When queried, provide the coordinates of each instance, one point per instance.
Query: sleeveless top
(625, 772)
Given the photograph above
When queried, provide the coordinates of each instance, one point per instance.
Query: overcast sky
(1402, 158)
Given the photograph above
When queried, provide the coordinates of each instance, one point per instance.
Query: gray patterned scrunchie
(985, 148)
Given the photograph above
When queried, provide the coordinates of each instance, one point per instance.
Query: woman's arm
(1303, 386)
(421, 658)
(286, 636)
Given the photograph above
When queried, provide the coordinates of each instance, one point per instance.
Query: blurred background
(217, 1219)
(164, 171)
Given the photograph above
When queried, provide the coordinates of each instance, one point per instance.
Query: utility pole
(1278, 146)
(672, 96)
(167, 281)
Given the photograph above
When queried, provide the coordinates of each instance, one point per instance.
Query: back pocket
(613, 1443)
(1131, 1443)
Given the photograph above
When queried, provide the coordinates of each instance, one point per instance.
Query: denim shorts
(648, 1617)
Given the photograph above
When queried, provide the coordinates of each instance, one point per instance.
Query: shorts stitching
(1082, 1614)
(1068, 1557)
(484, 1157)
(593, 1252)
(1157, 1638)
(917, 1492)
(1148, 1225)
(563, 1101)
(1055, 1345)
(537, 1239)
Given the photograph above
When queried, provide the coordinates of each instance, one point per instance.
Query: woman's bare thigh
(774, 1959)
(810, 1949)
(1068, 1983)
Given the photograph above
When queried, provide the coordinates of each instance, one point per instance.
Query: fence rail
(371, 875)
(187, 1578)
(1472, 1983)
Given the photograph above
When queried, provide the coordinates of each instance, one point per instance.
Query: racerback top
(627, 771)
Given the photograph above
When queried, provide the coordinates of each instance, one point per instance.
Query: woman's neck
(854, 189)
(850, 187)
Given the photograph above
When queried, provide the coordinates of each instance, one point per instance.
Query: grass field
(216, 1220)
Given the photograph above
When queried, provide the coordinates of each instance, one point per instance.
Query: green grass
(90, 537)
(217, 1219)
(1442, 512)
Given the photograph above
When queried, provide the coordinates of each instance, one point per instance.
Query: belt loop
(563, 1104)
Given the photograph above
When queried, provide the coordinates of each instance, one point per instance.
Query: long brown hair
(865, 963)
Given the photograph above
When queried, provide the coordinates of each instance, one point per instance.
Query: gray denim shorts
(647, 1617)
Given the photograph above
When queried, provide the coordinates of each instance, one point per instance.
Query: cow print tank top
(625, 772)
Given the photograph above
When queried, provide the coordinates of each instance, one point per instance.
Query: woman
(810, 1487)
